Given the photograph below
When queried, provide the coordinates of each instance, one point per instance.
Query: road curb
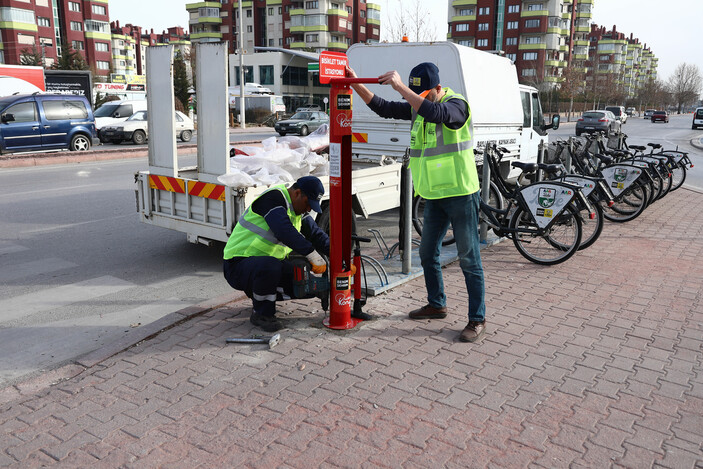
(64, 157)
(697, 143)
(48, 378)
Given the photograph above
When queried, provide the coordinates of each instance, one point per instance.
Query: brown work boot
(429, 312)
(473, 331)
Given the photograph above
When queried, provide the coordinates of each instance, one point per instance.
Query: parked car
(630, 111)
(662, 116)
(31, 122)
(136, 129)
(301, 123)
(597, 121)
(619, 112)
(113, 112)
(648, 113)
(697, 118)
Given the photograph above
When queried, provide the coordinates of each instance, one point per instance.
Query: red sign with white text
(332, 65)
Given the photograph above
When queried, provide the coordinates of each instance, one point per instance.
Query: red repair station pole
(341, 205)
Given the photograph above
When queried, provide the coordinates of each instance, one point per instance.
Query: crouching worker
(256, 255)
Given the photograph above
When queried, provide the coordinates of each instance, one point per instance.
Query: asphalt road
(78, 269)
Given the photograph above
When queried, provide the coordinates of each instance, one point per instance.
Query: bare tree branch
(685, 85)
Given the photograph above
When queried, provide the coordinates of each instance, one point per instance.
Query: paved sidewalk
(593, 363)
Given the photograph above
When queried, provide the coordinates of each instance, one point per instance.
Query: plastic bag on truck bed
(316, 141)
(275, 162)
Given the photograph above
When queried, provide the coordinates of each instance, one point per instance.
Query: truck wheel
(186, 135)
(139, 137)
(80, 142)
(304, 131)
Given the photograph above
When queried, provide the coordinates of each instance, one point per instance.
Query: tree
(685, 85)
(31, 57)
(412, 19)
(70, 59)
(652, 94)
(573, 84)
(180, 80)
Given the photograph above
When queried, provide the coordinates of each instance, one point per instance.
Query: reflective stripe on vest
(441, 159)
(252, 236)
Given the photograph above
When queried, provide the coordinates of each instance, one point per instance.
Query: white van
(697, 118)
(502, 110)
(113, 112)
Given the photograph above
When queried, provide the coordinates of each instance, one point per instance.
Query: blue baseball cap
(313, 188)
(423, 78)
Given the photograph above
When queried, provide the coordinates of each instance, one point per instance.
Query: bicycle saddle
(526, 167)
(550, 168)
(654, 145)
(605, 158)
(638, 147)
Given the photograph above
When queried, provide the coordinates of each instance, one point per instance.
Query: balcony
(206, 19)
(206, 35)
(307, 29)
(460, 3)
(538, 46)
(195, 6)
(337, 12)
(337, 45)
(527, 14)
(462, 19)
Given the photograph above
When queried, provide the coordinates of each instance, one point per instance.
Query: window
(102, 47)
(17, 14)
(250, 28)
(43, 22)
(532, 23)
(482, 43)
(362, 13)
(266, 74)
(61, 110)
(97, 26)
(76, 26)
(513, 8)
(529, 72)
(46, 41)
(312, 37)
(484, 11)
(510, 41)
(466, 42)
(77, 45)
(209, 12)
(74, 6)
(99, 10)
(535, 7)
(102, 65)
(529, 56)
(483, 26)
(512, 25)
(23, 112)
(512, 57)
(26, 39)
(312, 5)
(270, 42)
(532, 40)
(248, 74)
(466, 12)
(270, 11)
(295, 76)
(249, 13)
(462, 27)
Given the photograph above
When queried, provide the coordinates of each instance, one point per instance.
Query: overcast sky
(672, 29)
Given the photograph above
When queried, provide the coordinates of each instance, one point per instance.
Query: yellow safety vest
(441, 159)
(252, 236)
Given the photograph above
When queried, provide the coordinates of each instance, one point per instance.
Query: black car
(301, 123)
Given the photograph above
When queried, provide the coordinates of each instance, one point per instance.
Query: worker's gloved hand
(318, 263)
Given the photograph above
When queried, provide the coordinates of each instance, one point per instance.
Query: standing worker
(255, 257)
(444, 174)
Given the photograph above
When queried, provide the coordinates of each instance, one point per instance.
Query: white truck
(502, 110)
(192, 201)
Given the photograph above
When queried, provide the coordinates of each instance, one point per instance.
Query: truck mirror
(555, 121)
(8, 117)
(116, 114)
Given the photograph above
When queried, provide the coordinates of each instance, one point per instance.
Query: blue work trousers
(462, 213)
(263, 279)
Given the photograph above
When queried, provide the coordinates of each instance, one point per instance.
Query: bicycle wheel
(590, 228)
(547, 247)
(418, 214)
(628, 205)
(678, 176)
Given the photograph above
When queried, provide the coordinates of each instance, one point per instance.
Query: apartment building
(618, 61)
(541, 36)
(309, 25)
(45, 25)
